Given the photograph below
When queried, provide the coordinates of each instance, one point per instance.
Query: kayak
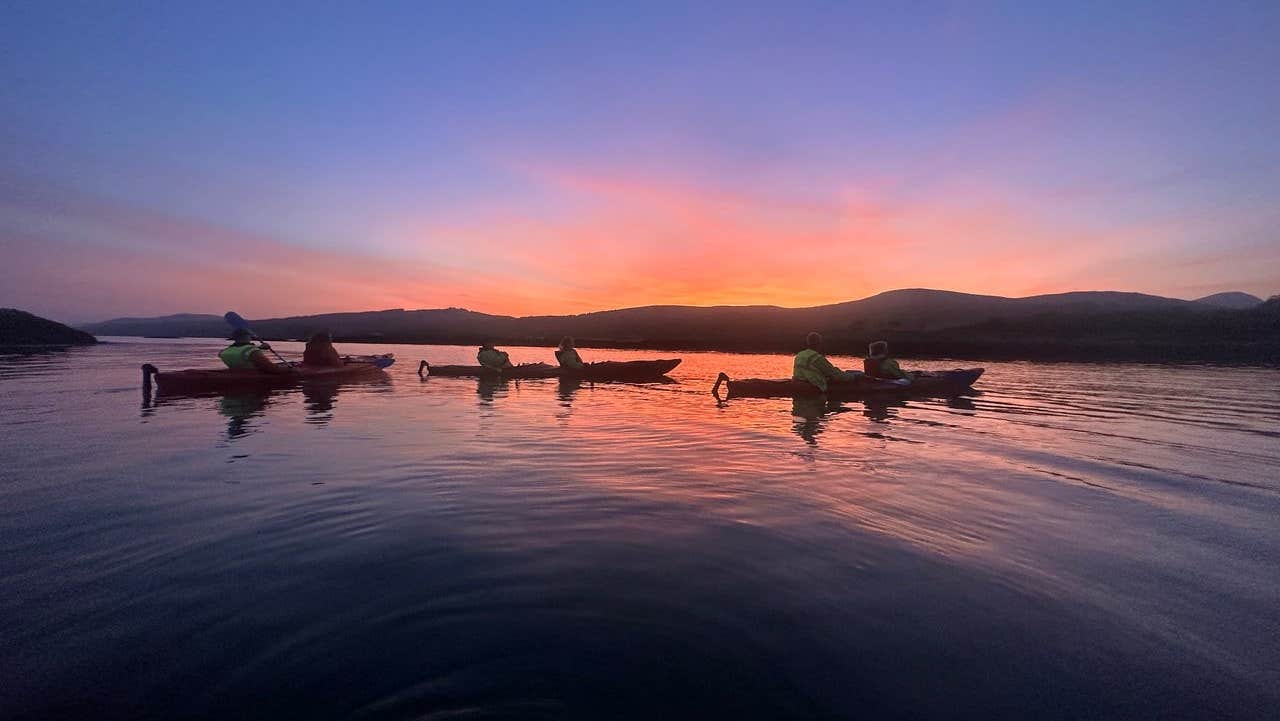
(382, 361)
(602, 371)
(923, 383)
(356, 368)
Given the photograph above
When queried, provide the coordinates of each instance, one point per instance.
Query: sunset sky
(552, 158)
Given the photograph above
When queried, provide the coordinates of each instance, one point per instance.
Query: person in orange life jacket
(879, 365)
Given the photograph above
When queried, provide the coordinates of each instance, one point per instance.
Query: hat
(878, 349)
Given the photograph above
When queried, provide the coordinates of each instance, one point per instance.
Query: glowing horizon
(591, 159)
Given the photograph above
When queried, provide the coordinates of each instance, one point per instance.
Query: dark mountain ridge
(1239, 301)
(920, 322)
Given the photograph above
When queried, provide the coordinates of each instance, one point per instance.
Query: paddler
(813, 367)
(320, 351)
(242, 354)
(879, 365)
(492, 358)
(568, 355)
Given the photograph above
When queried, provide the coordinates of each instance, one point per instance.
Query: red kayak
(355, 368)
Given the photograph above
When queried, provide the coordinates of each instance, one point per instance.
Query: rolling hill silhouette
(919, 322)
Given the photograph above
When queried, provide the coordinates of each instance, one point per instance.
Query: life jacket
(321, 355)
(884, 368)
(238, 356)
(805, 369)
(493, 358)
(871, 366)
(569, 358)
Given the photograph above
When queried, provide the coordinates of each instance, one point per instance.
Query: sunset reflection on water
(1066, 540)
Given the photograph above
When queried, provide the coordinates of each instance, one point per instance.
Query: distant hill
(183, 325)
(920, 322)
(1239, 301)
(20, 328)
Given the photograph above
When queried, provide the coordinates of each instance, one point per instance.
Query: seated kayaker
(242, 354)
(492, 358)
(568, 355)
(879, 365)
(320, 351)
(813, 367)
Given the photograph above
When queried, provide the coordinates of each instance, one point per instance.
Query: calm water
(1073, 542)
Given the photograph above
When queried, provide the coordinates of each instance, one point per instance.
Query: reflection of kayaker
(813, 367)
(567, 355)
(240, 409)
(242, 354)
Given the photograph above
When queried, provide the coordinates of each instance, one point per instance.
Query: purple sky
(518, 159)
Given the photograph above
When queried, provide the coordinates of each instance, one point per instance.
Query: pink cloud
(630, 240)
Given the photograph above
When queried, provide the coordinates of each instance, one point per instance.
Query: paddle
(235, 321)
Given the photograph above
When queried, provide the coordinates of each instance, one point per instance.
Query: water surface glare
(1074, 541)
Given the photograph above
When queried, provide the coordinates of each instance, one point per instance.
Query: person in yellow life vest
(813, 367)
(492, 358)
(242, 354)
(568, 355)
(879, 365)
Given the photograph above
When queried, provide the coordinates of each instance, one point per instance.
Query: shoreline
(1260, 356)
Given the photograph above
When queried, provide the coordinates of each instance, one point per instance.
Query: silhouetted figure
(242, 354)
(320, 351)
(879, 365)
(567, 355)
(492, 358)
(813, 367)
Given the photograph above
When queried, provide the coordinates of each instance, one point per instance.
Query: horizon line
(684, 305)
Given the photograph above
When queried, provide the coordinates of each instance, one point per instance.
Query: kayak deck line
(923, 384)
(601, 371)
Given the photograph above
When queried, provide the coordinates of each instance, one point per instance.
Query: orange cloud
(629, 241)
(638, 242)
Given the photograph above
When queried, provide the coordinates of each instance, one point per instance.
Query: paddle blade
(235, 321)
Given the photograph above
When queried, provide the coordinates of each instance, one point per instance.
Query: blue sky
(553, 157)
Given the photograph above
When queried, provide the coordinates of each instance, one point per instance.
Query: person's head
(813, 341)
(878, 349)
(487, 345)
(320, 339)
(241, 336)
(566, 342)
